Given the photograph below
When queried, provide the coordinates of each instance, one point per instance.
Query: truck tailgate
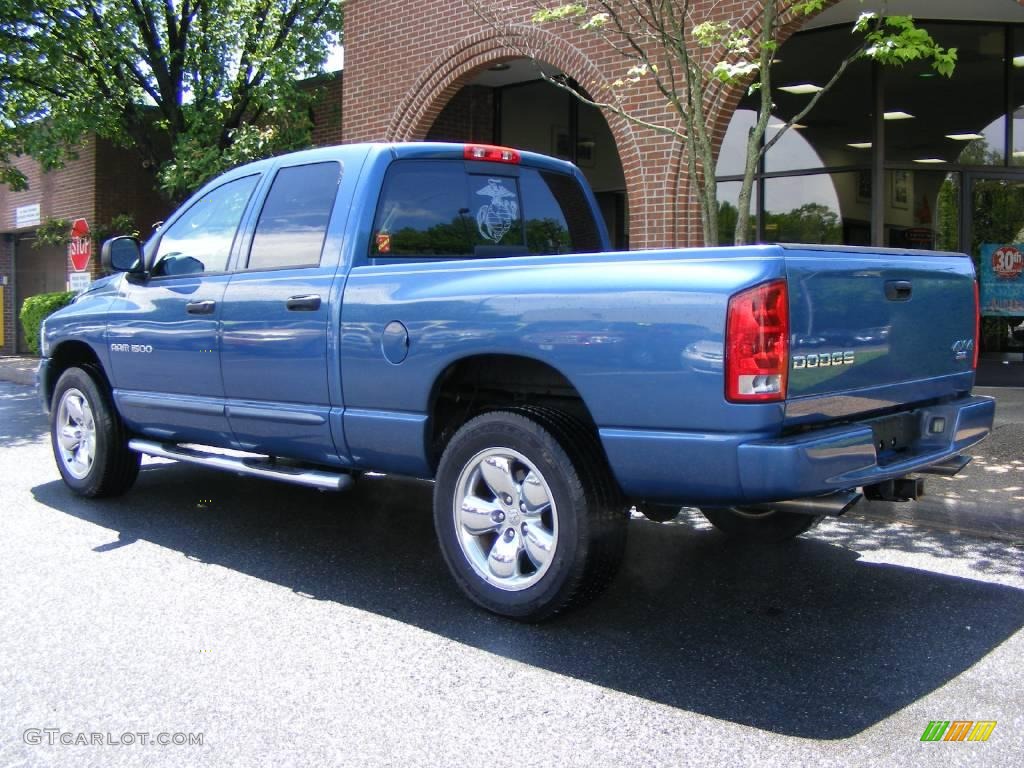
(872, 329)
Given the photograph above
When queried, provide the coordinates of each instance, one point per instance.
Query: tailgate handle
(898, 290)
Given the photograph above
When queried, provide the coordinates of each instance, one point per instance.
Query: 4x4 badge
(962, 348)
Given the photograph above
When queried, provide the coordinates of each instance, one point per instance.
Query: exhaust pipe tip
(900, 489)
(832, 505)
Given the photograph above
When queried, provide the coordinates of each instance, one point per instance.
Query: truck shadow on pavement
(804, 639)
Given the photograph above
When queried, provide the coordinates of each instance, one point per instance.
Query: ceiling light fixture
(897, 115)
(929, 160)
(964, 136)
(860, 145)
(801, 89)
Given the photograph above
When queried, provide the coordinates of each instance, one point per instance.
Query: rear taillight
(757, 344)
(977, 323)
(490, 153)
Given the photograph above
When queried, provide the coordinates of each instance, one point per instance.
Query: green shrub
(38, 308)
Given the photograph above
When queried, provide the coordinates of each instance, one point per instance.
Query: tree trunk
(755, 140)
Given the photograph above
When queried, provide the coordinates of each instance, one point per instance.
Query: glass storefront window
(1017, 86)
(732, 153)
(922, 210)
(952, 174)
(930, 118)
(728, 195)
(808, 209)
(997, 227)
(842, 116)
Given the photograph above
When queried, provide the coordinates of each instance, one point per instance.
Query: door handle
(898, 290)
(201, 307)
(309, 303)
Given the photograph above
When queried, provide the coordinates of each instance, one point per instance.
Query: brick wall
(63, 194)
(102, 181)
(124, 186)
(327, 122)
(433, 53)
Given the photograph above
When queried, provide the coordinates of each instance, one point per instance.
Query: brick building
(104, 181)
(889, 157)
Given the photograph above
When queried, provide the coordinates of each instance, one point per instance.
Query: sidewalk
(20, 370)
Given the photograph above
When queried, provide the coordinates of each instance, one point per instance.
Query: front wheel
(88, 438)
(756, 525)
(526, 514)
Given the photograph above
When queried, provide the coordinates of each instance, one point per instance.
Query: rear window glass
(431, 208)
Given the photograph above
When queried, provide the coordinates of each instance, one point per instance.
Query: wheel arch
(479, 383)
(68, 354)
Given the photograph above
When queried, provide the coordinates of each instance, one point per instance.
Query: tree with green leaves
(695, 64)
(197, 86)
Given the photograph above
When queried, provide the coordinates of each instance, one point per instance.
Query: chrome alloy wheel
(76, 433)
(505, 519)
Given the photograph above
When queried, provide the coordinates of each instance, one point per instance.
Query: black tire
(585, 516)
(769, 527)
(82, 405)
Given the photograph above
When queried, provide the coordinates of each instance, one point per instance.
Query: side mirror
(121, 254)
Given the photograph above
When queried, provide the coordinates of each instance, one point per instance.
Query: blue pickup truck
(452, 312)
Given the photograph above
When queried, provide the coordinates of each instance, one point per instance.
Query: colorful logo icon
(958, 730)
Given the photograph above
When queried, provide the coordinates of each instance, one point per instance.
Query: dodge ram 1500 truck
(451, 312)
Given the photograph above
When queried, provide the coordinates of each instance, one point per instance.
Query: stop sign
(80, 249)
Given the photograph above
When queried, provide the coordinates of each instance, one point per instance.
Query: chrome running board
(253, 466)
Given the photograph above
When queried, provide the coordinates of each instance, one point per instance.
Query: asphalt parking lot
(290, 627)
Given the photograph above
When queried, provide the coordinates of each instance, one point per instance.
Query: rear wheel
(749, 524)
(89, 441)
(526, 514)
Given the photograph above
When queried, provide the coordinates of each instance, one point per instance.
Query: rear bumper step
(322, 479)
(948, 468)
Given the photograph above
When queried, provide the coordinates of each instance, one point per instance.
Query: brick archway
(457, 65)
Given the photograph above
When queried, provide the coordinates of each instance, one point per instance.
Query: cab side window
(200, 240)
(293, 223)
